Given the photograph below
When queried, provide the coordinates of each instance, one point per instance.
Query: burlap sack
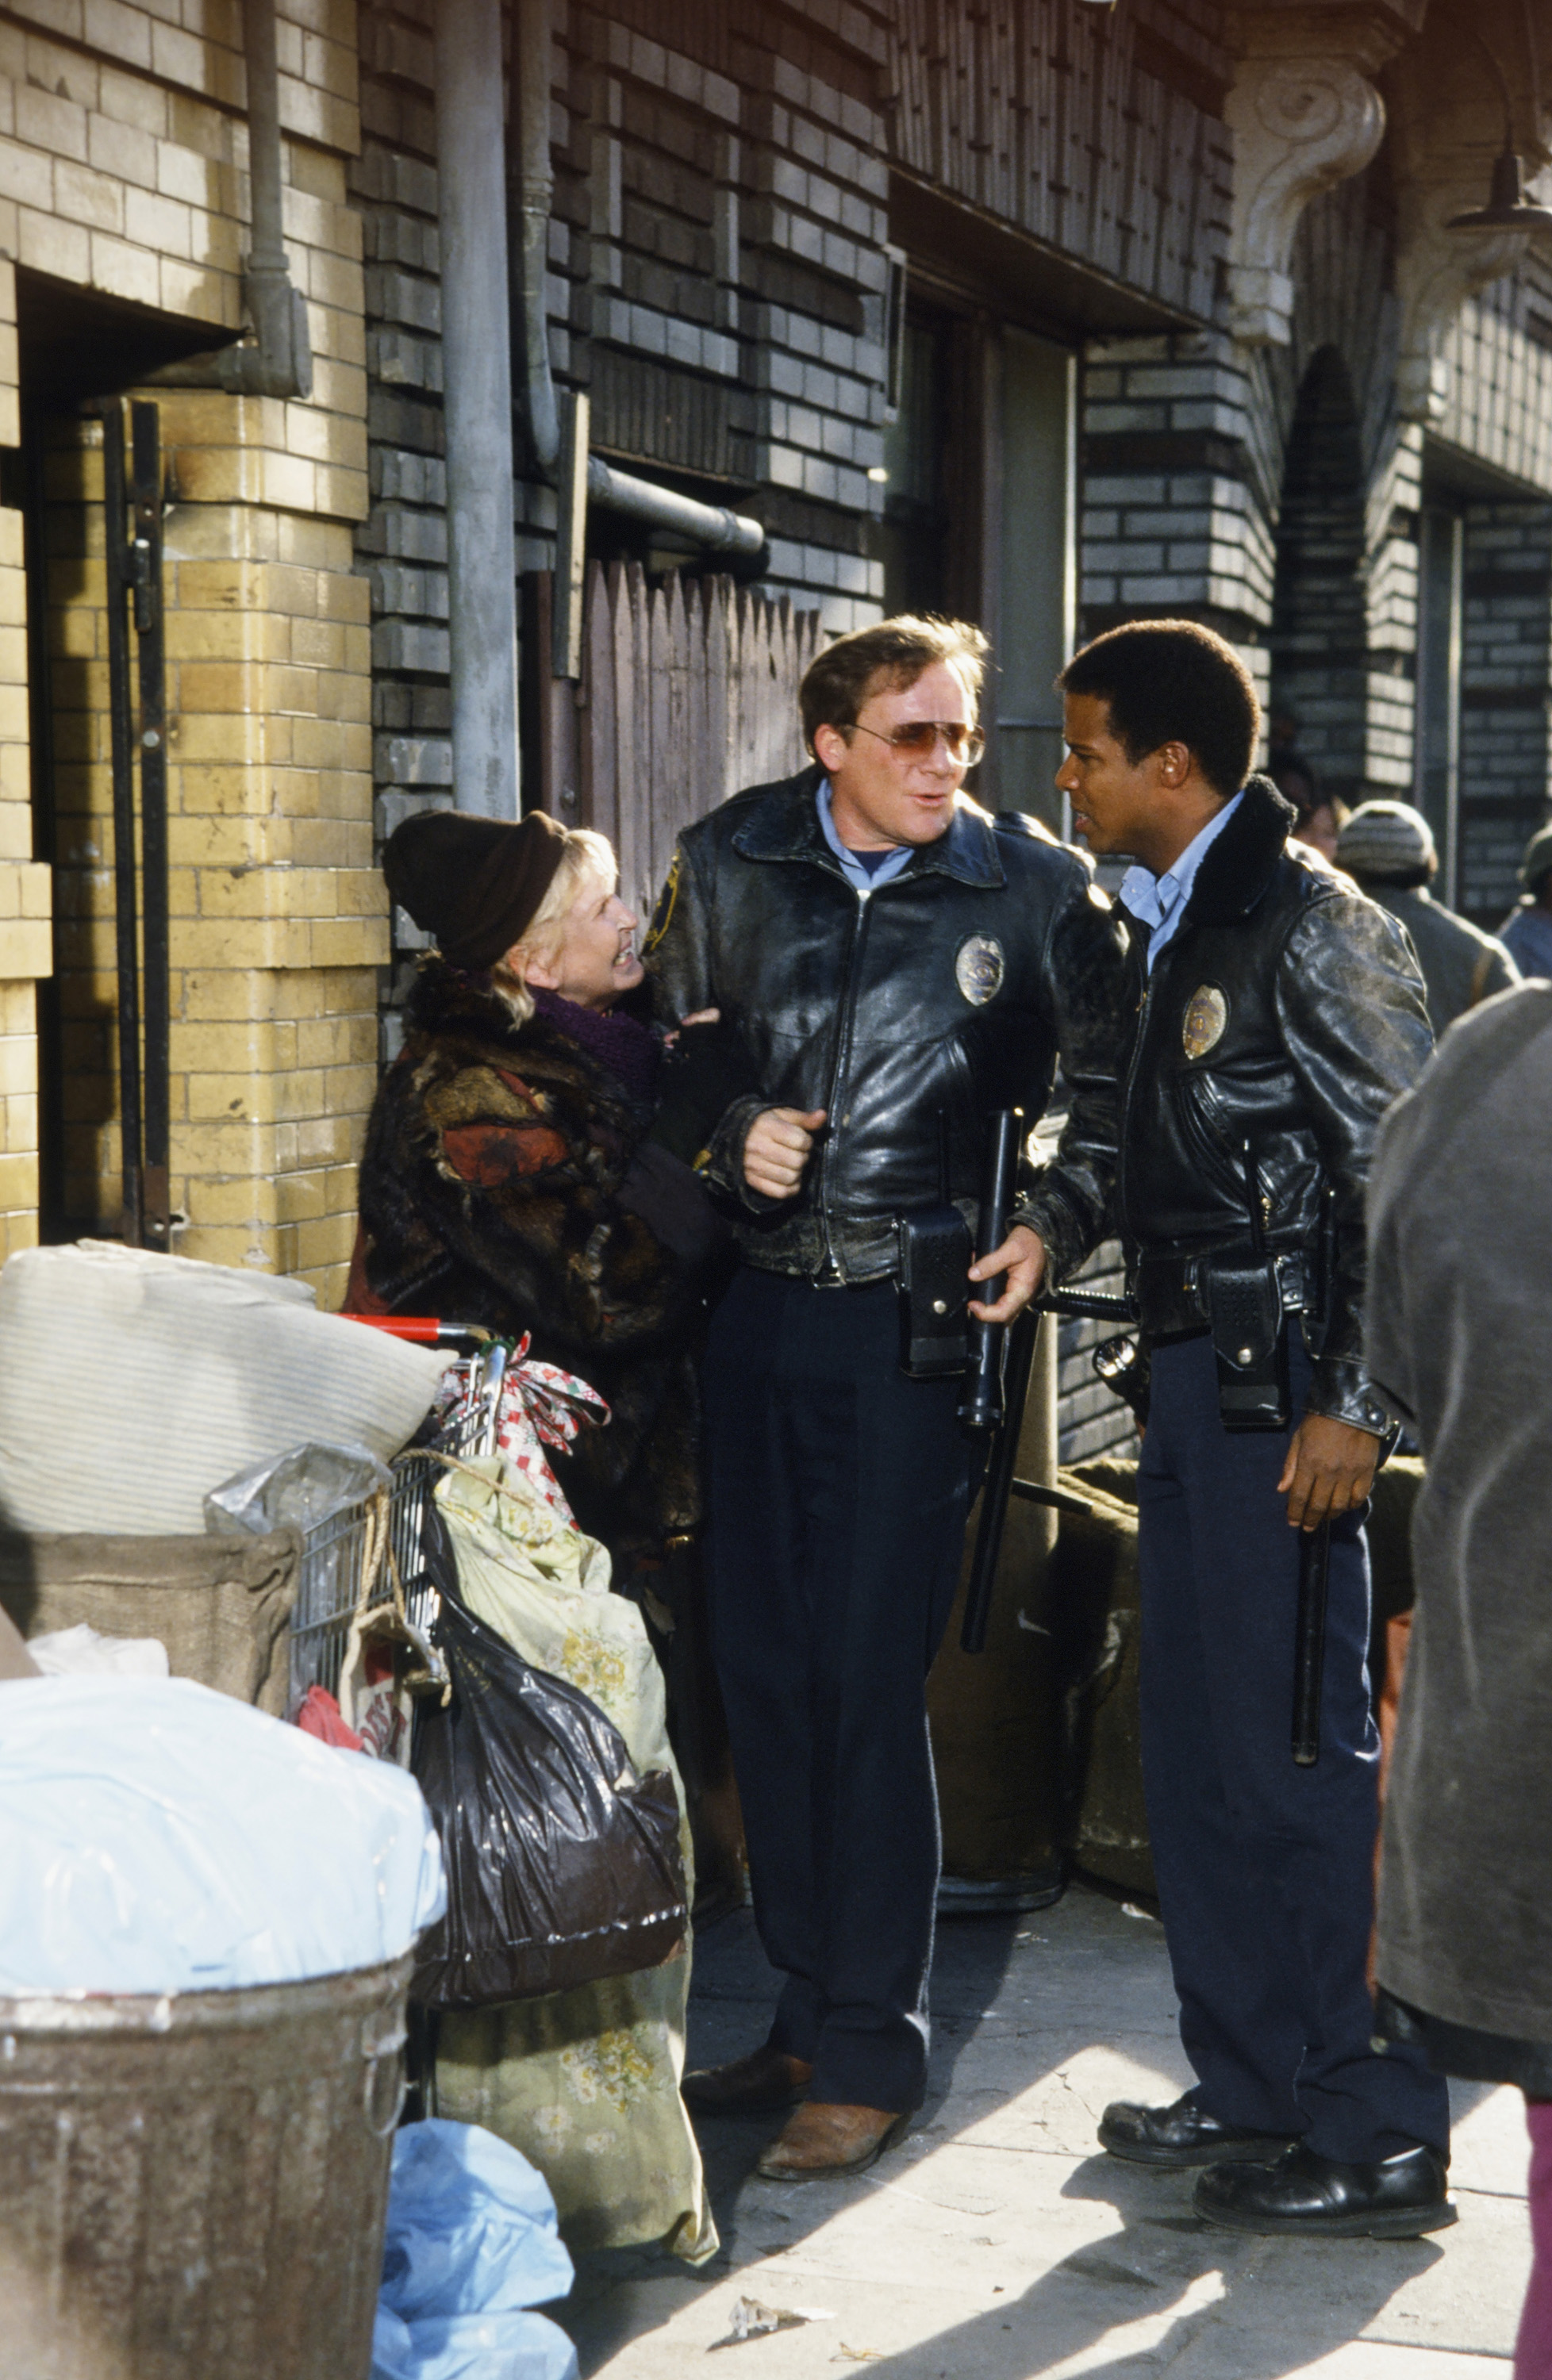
(222, 1606)
(1098, 1618)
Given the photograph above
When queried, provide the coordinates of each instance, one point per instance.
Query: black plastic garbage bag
(562, 1863)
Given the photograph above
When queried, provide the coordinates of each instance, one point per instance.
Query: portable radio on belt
(1244, 1309)
(935, 1259)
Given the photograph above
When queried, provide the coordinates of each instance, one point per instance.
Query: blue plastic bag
(471, 2245)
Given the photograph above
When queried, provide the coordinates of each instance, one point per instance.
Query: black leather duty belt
(1170, 1291)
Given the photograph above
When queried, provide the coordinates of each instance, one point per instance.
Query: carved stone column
(1306, 115)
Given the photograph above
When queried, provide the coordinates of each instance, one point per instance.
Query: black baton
(981, 1408)
(1309, 1642)
(999, 1485)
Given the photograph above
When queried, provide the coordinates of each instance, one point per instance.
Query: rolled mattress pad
(131, 1383)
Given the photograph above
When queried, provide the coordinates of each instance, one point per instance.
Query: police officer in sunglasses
(898, 965)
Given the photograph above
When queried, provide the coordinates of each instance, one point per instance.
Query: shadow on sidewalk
(1017, 2001)
(1170, 2293)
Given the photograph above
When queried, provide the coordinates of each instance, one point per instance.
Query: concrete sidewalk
(996, 2243)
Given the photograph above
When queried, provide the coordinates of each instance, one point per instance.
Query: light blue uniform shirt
(1159, 901)
(861, 879)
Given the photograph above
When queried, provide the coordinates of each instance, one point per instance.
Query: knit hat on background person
(473, 884)
(1537, 862)
(1390, 843)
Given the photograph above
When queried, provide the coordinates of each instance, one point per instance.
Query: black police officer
(1276, 1013)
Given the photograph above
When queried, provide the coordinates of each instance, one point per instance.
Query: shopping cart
(355, 1553)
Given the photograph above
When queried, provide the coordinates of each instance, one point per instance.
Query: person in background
(1274, 1015)
(510, 1176)
(1388, 848)
(1318, 818)
(1460, 1345)
(1526, 932)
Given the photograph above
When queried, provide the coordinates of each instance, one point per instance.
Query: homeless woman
(504, 1180)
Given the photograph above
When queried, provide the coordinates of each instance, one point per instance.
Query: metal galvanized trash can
(195, 2186)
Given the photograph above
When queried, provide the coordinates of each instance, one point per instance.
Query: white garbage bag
(157, 1837)
(85, 1652)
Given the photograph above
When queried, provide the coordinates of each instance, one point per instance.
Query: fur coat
(493, 1190)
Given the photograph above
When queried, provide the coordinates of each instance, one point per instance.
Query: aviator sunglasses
(917, 740)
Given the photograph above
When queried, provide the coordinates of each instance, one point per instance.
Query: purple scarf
(627, 1049)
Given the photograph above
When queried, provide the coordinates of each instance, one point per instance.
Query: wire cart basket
(346, 1557)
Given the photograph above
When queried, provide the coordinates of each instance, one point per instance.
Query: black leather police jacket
(951, 987)
(1286, 1011)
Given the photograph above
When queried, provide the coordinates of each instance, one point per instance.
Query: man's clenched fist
(778, 1148)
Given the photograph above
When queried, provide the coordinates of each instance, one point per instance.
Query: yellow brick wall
(276, 915)
(24, 886)
(113, 177)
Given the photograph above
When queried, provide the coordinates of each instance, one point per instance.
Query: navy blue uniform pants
(838, 1491)
(1264, 1869)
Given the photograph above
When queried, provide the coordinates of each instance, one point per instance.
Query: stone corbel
(1301, 124)
(1436, 271)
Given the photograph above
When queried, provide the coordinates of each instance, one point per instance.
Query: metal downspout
(535, 194)
(711, 526)
(277, 361)
(476, 383)
(280, 361)
(708, 526)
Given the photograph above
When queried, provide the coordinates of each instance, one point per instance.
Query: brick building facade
(1047, 312)
(124, 222)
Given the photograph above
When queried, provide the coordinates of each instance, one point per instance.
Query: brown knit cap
(474, 883)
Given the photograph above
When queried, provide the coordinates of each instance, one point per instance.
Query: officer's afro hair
(1172, 682)
(892, 653)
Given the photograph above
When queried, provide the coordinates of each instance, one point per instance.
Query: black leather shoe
(1181, 2135)
(756, 2085)
(1394, 2199)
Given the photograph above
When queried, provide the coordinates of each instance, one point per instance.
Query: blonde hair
(585, 854)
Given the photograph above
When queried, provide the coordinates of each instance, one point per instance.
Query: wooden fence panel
(689, 692)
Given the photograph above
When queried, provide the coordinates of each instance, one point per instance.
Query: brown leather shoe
(756, 2085)
(822, 2140)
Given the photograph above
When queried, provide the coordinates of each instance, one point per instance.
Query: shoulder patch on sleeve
(662, 915)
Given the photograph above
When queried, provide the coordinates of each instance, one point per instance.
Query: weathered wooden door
(688, 691)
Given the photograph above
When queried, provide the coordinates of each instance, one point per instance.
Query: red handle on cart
(424, 1327)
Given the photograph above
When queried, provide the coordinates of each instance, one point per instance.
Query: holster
(936, 1250)
(1244, 1299)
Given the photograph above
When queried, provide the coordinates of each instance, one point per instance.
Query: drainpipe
(535, 193)
(709, 525)
(278, 359)
(476, 401)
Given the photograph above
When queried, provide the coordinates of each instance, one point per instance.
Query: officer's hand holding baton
(1023, 1258)
(1330, 1471)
